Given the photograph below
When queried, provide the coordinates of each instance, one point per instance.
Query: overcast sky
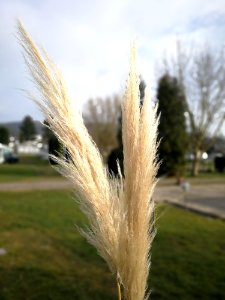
(90, 41)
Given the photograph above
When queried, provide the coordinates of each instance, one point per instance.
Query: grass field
(48, 259)
(29, 168)
(32, 168)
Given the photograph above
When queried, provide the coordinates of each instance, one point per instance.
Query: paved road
(208, 197)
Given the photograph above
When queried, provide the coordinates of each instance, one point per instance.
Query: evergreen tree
(27, 129)
(172, 127)
(4, 135)
(46, 132)
(54, 145)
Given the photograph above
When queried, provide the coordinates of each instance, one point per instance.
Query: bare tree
(101, 118)
(202, 75)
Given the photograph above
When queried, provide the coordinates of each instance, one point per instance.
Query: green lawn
(48, 259)
(206, 170)
(29, 168)
(33, 167)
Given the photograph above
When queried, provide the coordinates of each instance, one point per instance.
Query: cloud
(89, 41)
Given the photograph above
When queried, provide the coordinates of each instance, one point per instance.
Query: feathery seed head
(120, 211)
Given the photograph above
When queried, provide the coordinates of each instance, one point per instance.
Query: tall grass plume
(119, 211)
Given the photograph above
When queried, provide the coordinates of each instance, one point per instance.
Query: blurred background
(181, 59)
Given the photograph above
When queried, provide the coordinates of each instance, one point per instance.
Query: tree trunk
(195, 164)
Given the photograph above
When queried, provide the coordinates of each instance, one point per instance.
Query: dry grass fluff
(120, 211)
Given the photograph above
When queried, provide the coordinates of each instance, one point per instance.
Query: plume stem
(118, 289)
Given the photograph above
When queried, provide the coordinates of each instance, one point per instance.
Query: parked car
(219, 163)
(11, 158)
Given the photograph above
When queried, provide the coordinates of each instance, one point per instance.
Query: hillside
(14, 127)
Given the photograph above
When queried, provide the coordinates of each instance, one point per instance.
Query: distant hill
(14, 128)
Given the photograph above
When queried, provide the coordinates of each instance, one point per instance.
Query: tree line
(27, 131)
(191, 105)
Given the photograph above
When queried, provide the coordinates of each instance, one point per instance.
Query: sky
(90, 43)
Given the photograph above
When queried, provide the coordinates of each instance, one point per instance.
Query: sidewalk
(49, 184)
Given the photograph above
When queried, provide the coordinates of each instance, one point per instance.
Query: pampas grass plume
(119, 211)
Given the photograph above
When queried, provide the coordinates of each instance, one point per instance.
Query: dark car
(11, 158)
(219, 163)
